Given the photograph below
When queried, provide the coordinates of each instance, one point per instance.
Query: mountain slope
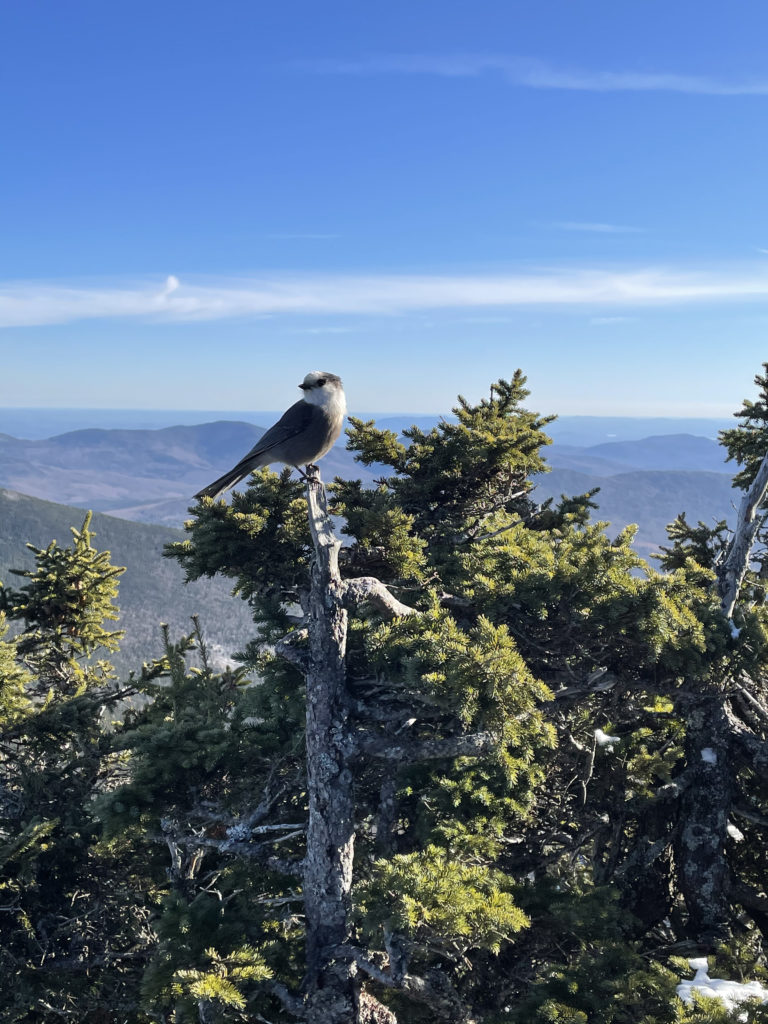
(152, 590)
(651, 499)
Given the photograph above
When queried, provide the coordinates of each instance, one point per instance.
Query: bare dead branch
(456, 603)
(387, 748)
(287, 647)
(751, 747)
(437, 992)
(261, 852)
(749, 815)
(293, 1004)
(368, 588)
(510, 526)
(734, 566)
(757, 706)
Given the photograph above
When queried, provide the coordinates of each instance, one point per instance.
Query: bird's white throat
(331, 400)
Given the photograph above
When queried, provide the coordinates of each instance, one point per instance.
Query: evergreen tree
(488, 857)
(481, 763)
(67, 945)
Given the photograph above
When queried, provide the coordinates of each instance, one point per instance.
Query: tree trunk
(330, 988)
(706, 801)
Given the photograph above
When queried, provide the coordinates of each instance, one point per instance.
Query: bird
(303, 434)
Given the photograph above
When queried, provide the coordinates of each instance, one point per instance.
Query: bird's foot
(312, 476)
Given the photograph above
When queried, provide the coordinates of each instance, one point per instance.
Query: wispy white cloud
(301, 236)
(596, 227)
(603, 321)
(321, 330)
(41, 302)
(538, 74)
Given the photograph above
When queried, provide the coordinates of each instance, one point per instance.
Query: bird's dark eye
(320, 382)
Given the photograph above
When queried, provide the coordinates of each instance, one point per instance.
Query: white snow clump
(603, 739)
(730, 993)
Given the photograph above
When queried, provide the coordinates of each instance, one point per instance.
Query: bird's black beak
(304, 387)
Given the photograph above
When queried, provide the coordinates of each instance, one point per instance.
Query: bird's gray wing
(292, 422)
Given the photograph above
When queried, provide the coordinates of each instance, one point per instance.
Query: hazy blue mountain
(668, 451)
(593, 430)
(152, 590)
(37, 424)
(147, 475)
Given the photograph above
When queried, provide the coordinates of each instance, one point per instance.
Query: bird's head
(321, 387)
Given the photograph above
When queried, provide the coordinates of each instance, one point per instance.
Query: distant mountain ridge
(151, 475)
(660, 452)
(146, 475)
(40, 423)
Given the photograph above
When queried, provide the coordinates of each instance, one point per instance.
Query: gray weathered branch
(368, 588)
(261, 852)
(734, 566)
(751, 747)
(437, 992)
(388, 748)
(287, 647)
(293, 1004)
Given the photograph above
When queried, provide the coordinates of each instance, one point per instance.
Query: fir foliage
(559, 757)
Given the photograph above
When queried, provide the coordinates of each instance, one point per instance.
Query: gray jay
(303, 434)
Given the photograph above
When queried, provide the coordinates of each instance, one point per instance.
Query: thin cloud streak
(306, 236)
(596, 227)
(538, 74)
(38, 303)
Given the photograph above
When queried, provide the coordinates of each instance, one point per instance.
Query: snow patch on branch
(604, 740)
(730, 993)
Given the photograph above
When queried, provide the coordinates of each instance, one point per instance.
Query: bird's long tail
(218, 487)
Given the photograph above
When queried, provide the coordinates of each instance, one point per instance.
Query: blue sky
(202, 201)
